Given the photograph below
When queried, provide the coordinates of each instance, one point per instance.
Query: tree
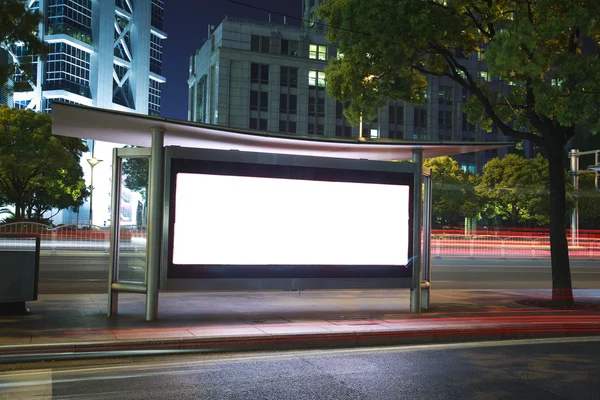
(391, 47)
(516, 189)
(136, 171)
(453, 192)
(18, 28)
(38, 171)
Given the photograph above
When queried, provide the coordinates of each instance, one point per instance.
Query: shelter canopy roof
(136, 130)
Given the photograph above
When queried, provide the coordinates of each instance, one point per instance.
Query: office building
(270, 76)
(101, 53)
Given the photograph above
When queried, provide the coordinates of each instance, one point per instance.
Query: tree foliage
(538, 46)
(135, 171)
(38, 171)
(516, 190)
(453, 192)
(18, 28)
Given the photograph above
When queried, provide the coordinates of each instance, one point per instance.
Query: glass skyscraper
(101, 53)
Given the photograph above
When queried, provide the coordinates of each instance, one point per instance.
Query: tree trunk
(562, 289)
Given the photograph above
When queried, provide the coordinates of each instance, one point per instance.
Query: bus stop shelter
(163, 140)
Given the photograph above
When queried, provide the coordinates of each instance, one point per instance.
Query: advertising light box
(240, 215)
(240, 220)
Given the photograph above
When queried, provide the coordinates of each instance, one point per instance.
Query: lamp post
(93, 162)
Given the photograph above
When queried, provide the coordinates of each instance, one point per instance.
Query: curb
(130, 348)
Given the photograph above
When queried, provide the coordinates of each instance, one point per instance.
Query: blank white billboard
(237, 220)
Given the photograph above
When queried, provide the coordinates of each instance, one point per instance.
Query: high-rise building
(270, 76)
(100, 53)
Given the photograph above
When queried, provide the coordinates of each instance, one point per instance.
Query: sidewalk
(236, 321)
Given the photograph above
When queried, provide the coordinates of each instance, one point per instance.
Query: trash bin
(19, 272)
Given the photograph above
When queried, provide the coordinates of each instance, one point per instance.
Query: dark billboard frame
(287, 277)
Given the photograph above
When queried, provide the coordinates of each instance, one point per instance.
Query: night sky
(186, 27)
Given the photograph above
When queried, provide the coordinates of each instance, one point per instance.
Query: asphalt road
(534, 369)
(87, 272)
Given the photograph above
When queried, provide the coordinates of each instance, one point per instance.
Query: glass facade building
(101, 53)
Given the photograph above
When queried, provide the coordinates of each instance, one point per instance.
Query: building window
(261, 44)
(321, 107)
(264, 101)
(343, 131)
(287, 126)
(289, 77)
(316, 129)
(287, 103)
(154, 97)
(311, 106)
(420, 116)
(484, 75)
(316, 78)
(156, 19)
(317, 52)
(481, 55)
(289, 47)
(73, 18)
(259, 73)
(155, 54)
(445, 119)
(259, 101)
(253, 100)
(256, 123)
(68, 68)
(445, 94)
(396, 114)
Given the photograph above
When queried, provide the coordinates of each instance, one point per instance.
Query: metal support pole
(154, 223)
(360, 127)
(415, 292)
(427, 203)
(596, 172)
(113, 270)
(574, 156)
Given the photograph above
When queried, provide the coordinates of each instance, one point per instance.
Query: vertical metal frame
(415, 292)
(427, 204)
(154, 223)
(164, 257)
(115, 204)
(114, 285)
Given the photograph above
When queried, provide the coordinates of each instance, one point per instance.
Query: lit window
(481, 55)
(484, 75)
(312, 78)
(321, 79)
(374, 134)
(317, 52)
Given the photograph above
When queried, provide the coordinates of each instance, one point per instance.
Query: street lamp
(93, 162)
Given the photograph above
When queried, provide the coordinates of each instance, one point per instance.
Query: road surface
(87, 272)
(534, 369)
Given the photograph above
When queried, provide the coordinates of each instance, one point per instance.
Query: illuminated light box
(288, 220)
(240, 220)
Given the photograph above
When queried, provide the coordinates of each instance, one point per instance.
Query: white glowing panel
(236, 220)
